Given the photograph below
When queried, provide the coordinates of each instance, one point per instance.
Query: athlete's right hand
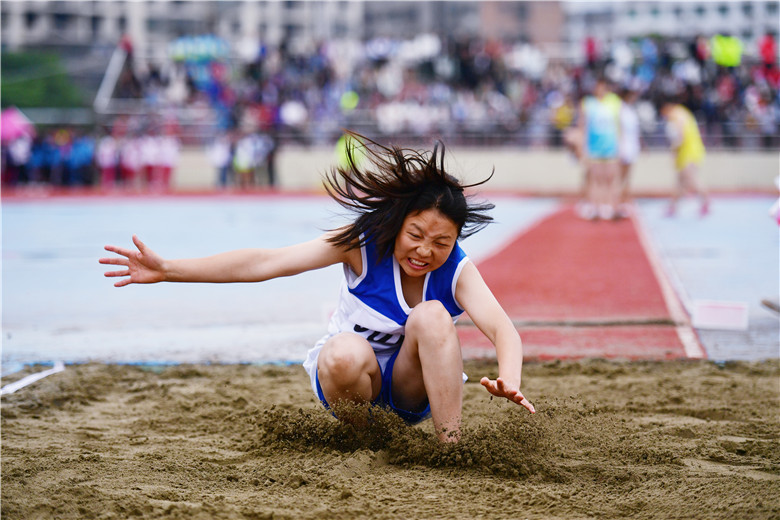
(143, 266)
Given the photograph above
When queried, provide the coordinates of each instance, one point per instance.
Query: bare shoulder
(470, 285)
(469, 276)
(351, 257)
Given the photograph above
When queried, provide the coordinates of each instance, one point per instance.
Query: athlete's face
(425, 242)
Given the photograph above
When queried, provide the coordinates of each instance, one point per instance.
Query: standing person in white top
(167, 158)
(220, 155)
(107, 159)
(150, 151)
(130, 160)
(630, 144)
(599, 124)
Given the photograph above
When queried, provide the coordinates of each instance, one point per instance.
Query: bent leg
(347, 370)
(429, 369)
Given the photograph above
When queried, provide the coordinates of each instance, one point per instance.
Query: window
(700, 11)
(723, 9)
(771, 8)
(632, 13)
(747, 10)
(678, 11)
(61, 21)
(520, 11)
(655, 12)
(30, 19)
(155, 25)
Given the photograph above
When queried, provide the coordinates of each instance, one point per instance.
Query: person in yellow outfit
(685, 140)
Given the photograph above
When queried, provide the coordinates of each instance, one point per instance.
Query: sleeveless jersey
(373, 305)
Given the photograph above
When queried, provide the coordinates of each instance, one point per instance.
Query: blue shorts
(385, 398)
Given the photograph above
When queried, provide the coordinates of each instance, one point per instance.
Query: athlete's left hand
(501, 388)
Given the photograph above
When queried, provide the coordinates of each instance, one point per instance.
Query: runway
(57, 306)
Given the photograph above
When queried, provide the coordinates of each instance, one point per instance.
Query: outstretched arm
(244, 265)
(476, 298)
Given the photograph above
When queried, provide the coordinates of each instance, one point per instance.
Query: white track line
(10, 388)
(688, 338)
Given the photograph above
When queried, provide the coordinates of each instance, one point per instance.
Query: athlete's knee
(430, 319)
(344, 358)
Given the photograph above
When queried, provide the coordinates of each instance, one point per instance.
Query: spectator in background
(767, 48)
(245, 161)
(130, 161)
(220, 154)
(80, 160)
(563, 111)
(685, 140)
(59, 150)
(600, 127)
(767, 116)
(272, 146)
(37, 165)
(107, 159)
(591, 52)
(17, 154)
(149, 147)
(630, 144)
(167, 158)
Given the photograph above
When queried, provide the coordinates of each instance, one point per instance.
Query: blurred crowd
(242, 104)
(69, 157)
(134, 153)
(469, 91)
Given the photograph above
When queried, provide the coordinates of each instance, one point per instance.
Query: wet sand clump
(687, 439)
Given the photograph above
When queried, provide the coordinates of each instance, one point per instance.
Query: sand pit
(611, 440)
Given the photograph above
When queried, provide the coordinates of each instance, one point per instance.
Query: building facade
(608, 21)
(151, 24)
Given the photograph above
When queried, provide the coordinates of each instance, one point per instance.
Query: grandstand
(483, 74)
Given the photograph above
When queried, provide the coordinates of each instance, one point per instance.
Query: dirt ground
(683, 439)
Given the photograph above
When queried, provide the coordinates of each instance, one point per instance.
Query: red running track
(582, 289)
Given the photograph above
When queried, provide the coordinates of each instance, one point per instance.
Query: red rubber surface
(565, 269)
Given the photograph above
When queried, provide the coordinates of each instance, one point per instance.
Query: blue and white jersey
(373, 304)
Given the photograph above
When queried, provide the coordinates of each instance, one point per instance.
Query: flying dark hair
(383, 185)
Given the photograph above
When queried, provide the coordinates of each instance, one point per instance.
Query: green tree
(37, 79)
